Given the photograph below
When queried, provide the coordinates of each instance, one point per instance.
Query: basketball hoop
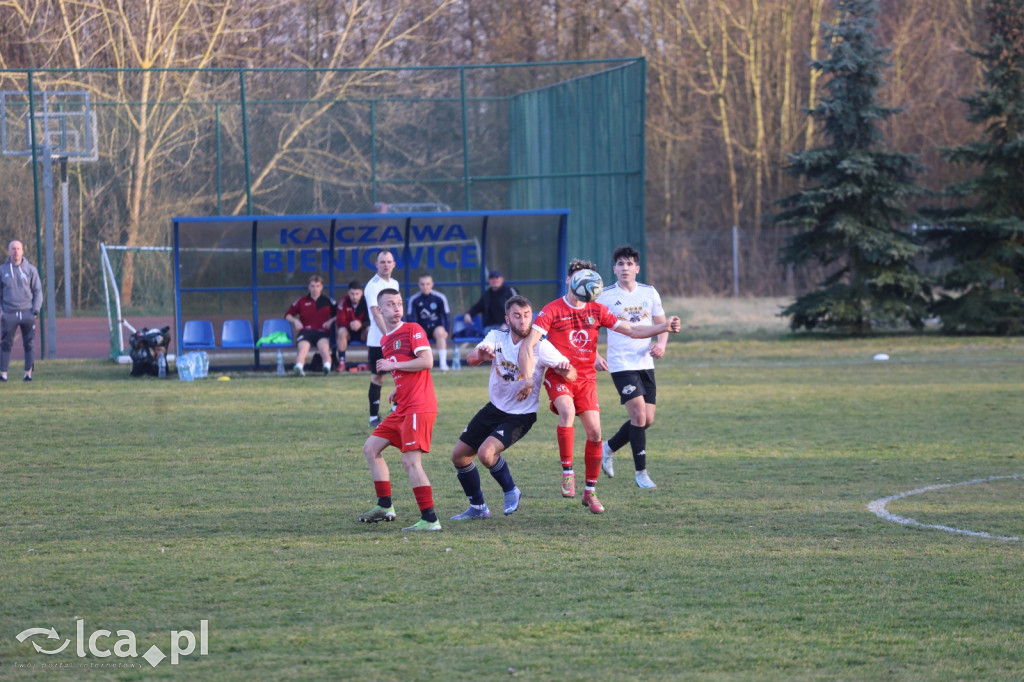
(50, 126)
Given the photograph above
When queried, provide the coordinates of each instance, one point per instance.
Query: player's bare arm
(658, 348)
(424, 360)
(566, 370)
(527, 362)
(378, 317)
(480, 354)
(671, 325)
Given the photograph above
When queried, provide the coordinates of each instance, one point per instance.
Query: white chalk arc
(878, 507)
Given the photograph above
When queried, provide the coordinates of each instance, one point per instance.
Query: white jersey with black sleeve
(638, 308)
(504, 381)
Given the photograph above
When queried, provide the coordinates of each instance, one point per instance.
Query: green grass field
(148, 506)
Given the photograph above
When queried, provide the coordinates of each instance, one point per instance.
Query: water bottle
(280, 362)
(204, 365)
(456, 358)
(161, 364)
(186, 368)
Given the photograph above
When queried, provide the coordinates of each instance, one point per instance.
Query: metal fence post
(735, 262)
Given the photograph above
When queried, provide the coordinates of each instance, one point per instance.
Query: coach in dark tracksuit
(491, 305)
(21, 297)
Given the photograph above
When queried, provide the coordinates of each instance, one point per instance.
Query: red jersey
(347, 312)
(414, 390)
(573, 331)
(312, 314)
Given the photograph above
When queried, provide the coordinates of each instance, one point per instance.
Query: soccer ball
(586, 285)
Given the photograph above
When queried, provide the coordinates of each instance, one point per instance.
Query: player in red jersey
(407, 355)
(572, 326)
(311, 316)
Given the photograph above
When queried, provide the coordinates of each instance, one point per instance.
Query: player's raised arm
(671, 325)
(527, 362)
(481, 353)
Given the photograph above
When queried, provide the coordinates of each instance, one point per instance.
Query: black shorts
(635, 382)
(490, 421)
(312, 336)
(373, 354)
(430, 331)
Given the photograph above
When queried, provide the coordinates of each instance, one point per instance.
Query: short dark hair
(577, 264)
(387, 292)
(627, 252)
(355, 284)
(517, 300)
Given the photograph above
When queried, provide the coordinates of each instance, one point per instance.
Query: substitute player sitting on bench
(430, 310)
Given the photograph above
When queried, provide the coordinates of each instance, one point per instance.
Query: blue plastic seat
(237, 334)
(463, 331)
(274, 325)
(197, 335)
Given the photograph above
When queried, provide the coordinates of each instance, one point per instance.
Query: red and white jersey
(573, 332)
(414, 390)
(376, 285)
(312, 314)
(638, 308)
(505, 376)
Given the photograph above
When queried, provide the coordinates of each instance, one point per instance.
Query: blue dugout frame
(411, 239)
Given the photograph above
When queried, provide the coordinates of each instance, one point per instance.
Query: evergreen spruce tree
(852, 218)
(983, 238)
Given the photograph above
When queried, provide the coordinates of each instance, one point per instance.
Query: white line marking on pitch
(878, 508)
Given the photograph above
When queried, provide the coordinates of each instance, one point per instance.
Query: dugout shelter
(253, 267)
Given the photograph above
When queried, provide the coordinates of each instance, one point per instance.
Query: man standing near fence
(21, 297)
(378, 283)
(631, 361)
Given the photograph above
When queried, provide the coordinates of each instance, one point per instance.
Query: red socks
(425, 494)
(566, 439)
(592, 460)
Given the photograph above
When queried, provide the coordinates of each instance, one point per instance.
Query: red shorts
(582, 392)
(407, 432)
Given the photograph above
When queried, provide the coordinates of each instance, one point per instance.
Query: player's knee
(488, 457)
(410, 461)
(440, 334)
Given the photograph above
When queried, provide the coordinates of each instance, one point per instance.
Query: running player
(572, 326)
(504, 419)
(631, 362)
(409, 427)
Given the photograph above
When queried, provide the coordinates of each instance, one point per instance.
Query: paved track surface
(85, 337)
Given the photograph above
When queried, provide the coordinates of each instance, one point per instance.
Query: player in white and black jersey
(631, 361)
(506, 418)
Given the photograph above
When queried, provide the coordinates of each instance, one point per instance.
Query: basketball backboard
(60, 123)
